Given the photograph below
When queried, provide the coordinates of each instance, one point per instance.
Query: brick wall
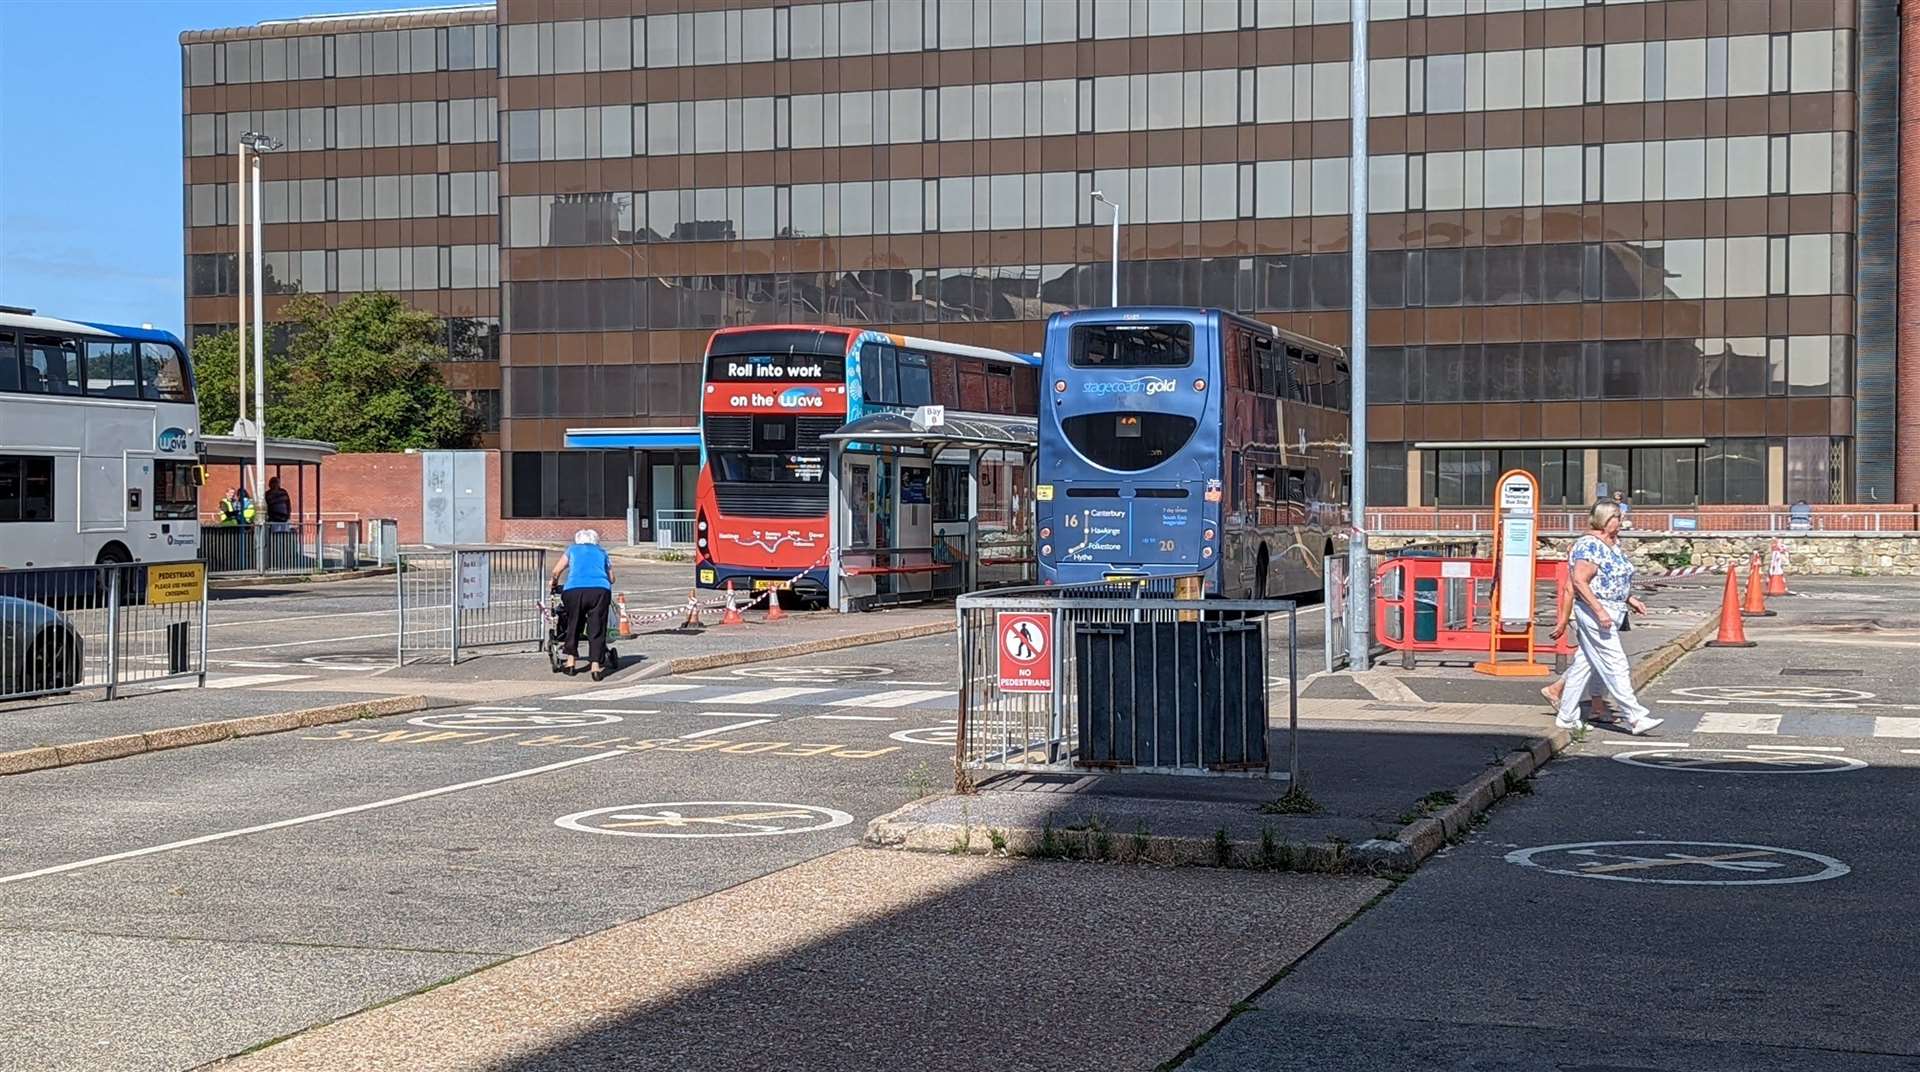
(366, 486)
(561, 529)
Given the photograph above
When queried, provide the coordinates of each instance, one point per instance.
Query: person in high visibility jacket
(236, 508)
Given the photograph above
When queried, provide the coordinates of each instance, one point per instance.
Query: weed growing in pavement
(1336, 856)
(1295, 801)
(963, 841)
(1140, 836)
(1427, 805)
(1269, 848)
(1222, 848)
(671, 556)
(919, 782)
(1518, 785)
(1580, 735)
(1050, 844)
(999, 840)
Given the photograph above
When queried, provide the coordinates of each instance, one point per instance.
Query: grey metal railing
(65, 629)
(1139, 681)
(468, 597)
(673, 527)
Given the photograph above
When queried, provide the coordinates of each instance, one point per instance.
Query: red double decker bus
(772, 393)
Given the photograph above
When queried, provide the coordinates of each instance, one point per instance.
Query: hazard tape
(693, 604)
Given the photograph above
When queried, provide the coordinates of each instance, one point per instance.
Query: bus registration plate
(779, 586)
(1126, 578)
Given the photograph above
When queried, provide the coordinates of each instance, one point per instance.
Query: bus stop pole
(835, 453)
(1359, 576)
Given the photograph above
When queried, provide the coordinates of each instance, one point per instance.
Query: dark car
(40, 650)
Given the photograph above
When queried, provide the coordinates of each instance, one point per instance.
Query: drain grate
(1808, 671)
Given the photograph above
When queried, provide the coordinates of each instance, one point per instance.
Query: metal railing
(1652, 521)
(673, 528)
(468, 597)
(379, 541)
(1139, 681)
(64, 629)
(301, 547)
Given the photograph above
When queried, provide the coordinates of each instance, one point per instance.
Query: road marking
(1792, 694)
(1386, 688)
(1738, 722)
(1732, 761)
(255, 666)
(1885, 726)
(1790, 865)
(243, 681)
(300, 618)
(697, 734)
(858, 718)
(671, 819)
(758, 696)
(302, 820)
(1795, 748)
(1641, 743)
(895, 698)
(300, 643)
(630, 692)
(621, 711)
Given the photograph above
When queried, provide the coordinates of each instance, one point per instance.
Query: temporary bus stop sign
(1515, 526)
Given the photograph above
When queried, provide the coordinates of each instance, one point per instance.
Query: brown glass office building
(1646, 245)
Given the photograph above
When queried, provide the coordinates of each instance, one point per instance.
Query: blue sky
(90, 184)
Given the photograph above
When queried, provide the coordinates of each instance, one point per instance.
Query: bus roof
(916, 342)
(1188, 314)
(25, 322)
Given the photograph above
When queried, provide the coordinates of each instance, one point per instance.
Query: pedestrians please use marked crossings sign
(1026, 651)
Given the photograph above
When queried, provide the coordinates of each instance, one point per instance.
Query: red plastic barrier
(1471, 574)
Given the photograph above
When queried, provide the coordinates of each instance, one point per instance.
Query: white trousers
(1600, 655)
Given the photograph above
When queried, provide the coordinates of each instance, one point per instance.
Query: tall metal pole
(1359, 573)
(1114, 295)
(240, 282)
(259, 385)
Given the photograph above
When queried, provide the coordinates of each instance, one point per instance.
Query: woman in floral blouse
(1602, 579)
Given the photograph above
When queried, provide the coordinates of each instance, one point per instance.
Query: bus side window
(879, 374)
(916, 379)
(1265, 494)
(26, 488)
(112, 369)
(9, 364)
(1263, 356)
(1296, 496)
(50, 366)
(163, 374)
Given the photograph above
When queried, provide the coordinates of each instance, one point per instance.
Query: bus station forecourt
(477, 863)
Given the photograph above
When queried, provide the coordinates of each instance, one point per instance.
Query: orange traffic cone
(732, 614)
(1756, 606)
(1777, 571)
(1732, 633)
(693, 611)
(626, 627)
(774, 613)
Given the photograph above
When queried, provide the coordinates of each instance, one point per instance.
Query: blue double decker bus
(1179, 441)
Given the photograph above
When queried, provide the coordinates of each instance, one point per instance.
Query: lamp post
(1359, 572)
(239, 204)
(1114, 298)
(259, 143)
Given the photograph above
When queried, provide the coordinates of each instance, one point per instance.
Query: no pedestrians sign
(1026, 651)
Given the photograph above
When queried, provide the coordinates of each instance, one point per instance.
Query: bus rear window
(1128, 441)
(1132, 345)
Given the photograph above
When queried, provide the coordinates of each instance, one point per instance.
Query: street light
(259, 143)
(1114, 299)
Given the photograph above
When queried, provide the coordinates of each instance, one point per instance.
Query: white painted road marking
(858, 718)
(895, 698)
(697, 734)
(1738, 722)
(1754, 860)
(283, 824)
(1386, 688)
(243, 681)
(1884, 726)
(758, 696)
(300, 643)
(1795, 748)
(724, 818)
(630, 692)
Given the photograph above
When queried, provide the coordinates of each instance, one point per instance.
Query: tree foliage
(360, 374)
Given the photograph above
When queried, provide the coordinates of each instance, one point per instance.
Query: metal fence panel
(470, 597)
(66, 629)
(673, 528)
(1141, 682)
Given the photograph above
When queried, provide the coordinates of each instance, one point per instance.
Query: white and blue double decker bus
(1177, 441)
(99, 444)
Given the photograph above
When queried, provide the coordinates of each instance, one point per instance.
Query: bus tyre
(113, 554)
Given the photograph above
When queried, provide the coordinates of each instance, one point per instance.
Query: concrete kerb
(688, 664)
(133, 744)
(1404, 852)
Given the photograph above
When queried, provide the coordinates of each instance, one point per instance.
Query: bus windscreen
(1132, 345)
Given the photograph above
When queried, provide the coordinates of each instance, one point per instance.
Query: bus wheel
(113, 554)
(1260, 576)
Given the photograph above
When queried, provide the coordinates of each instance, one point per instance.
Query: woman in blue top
(1602, 579)
(585, 577)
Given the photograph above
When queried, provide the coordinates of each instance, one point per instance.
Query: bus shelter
(928, 504)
